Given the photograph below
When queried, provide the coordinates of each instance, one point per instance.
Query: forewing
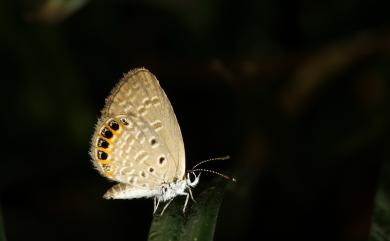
(148, 150)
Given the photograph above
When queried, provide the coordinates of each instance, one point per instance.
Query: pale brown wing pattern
(135, 154)
(149, 149)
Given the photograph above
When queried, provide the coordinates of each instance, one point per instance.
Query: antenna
(194, 169)
(214, 172)
(211, 159)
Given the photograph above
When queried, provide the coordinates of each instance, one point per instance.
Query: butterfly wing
(145, 147)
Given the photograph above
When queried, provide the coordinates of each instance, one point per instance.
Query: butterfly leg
(156, 203)
(186, 202)
(165, 207)
(192, 197)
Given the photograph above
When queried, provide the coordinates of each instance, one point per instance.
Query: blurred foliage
(52, 11)
(199, 221)
(380, 228)
(297, 92)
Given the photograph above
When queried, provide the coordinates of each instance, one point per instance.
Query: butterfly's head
(195, 178)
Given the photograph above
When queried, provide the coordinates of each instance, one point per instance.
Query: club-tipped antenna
(211, 159)
(214, 172)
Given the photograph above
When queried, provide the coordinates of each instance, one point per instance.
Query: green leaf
(380, 228)
(197, 223)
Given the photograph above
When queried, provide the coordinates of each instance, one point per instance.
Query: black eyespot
(125, 121)
(161, 160)
(143, 174)
(151, 169)
(106, 133)
(102, 143)
(102, 155)
(114, 125)
(153, 142)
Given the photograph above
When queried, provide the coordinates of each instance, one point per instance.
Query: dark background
(297, 92)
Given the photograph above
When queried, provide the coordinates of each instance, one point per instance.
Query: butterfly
(138, 143)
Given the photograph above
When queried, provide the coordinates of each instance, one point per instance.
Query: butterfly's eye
(102, 143)
(114, 125)
(193, 175)
(106, 133)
